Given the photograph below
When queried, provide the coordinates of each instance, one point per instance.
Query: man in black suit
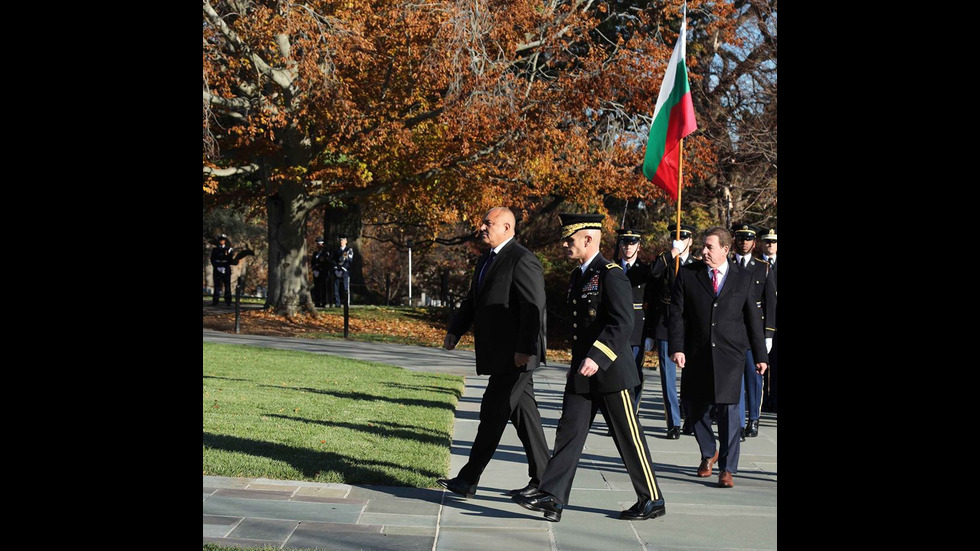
(602, 371)
(765, 300)
(713, 321)
(505, 306)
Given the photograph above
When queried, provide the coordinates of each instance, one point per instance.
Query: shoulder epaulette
(612, 265)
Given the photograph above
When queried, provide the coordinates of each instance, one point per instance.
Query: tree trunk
(289, 288)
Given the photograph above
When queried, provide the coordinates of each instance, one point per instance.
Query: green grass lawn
(301, 416)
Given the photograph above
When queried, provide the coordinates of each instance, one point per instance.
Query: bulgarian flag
(672, 120)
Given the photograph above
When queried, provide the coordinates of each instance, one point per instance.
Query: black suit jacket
(506, 312)
(601, 305)
(714, 332)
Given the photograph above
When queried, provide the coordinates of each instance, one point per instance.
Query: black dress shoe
(459, 486)
(542, 502)
(687, 429)
(752, 429)
(673, 433)
(528, 490)
(644, 509)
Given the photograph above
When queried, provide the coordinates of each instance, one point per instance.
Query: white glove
(768, 345)
(679, 245)
(648, 344)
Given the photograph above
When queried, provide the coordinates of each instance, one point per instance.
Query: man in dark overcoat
(713, 321)
(505, 307)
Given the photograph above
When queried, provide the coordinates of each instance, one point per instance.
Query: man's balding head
(497, 226)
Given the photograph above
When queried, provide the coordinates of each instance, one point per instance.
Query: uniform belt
(637, 306)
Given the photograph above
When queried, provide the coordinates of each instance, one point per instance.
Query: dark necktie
(486, 266)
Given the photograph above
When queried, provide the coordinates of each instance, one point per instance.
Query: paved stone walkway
(304, 515)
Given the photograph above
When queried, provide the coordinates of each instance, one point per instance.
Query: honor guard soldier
(320, 264)
(221, 257)
(602, 371)
(769, 378)
(638, 272)
(342, 259)
(765, 301)
(658, 305)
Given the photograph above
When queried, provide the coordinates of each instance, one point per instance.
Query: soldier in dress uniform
(769, 246)
(221, 261)
(663, 273)
(638, 272)
(765, 301)
(320, 264)
(602, 371)
(342, 258)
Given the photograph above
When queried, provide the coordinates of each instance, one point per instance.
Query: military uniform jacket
(601, 307)
(764, 292)
(658, 294)
(506, 312)
(221, 258)
(342, 260)
(320, 262)
(639, 275)
(714, 332)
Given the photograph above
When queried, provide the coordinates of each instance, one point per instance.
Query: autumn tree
(428, 113)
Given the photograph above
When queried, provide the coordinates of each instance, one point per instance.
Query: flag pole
(680, 178)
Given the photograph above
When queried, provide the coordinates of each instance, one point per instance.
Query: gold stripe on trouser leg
(635, 433)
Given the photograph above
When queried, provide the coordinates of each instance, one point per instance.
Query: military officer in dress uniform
(638, 272)
(765, 300)
(769, 246)
(663, 273)
(342, 259)
(602, 371)
(221, 260)
(319, 263)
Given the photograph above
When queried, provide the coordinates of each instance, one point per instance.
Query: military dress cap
(319, 240)
(571, 223)
(629, 236)
(687, 230)
(747, 231)
(222, 236)
(769, 235)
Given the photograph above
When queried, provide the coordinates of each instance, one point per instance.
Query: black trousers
(508, 397)
(320, 289)
(222, 279)
(337, 288)
(729, 431)
(578, 412)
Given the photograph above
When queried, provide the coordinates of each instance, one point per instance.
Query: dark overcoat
(714, 332)
(506, 312)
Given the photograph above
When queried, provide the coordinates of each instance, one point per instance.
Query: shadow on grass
(427, 388)
(381, 428)
(368, 397)
(310, 463)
